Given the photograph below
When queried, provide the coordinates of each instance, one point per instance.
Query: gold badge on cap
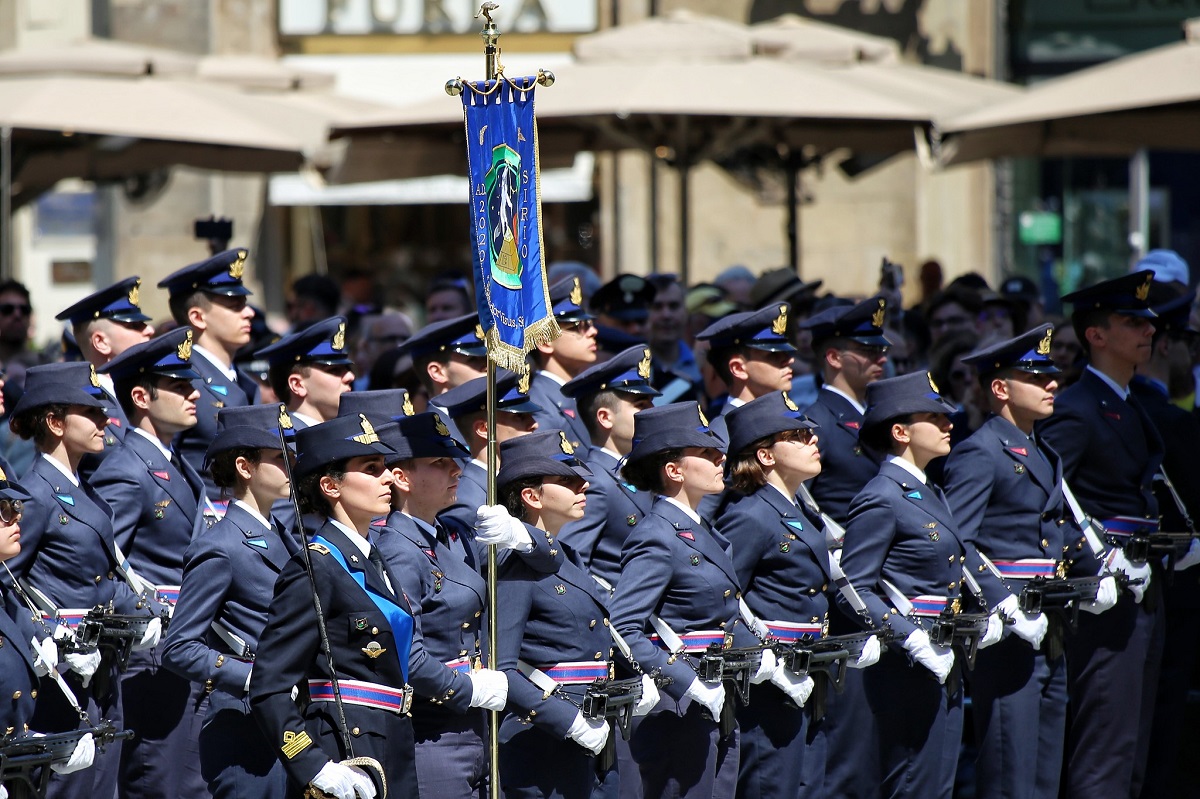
(239, 265)
(368, 433)
(523, 383)
(479, 332)
(3, 476)
(135, 291)
(338, 342)
(565, 445)
(877, 317)
(779, 326)
(407, 408)
(184, 350)
(439, 426)
(1043, 347)
(933, 385)
(700, 410)
(576, 292)
(643, 367)
(1143, 291)
(93, 377)
(285, 421)
(791, 406)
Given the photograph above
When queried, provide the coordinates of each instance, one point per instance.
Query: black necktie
(442, 536)
(377, 561)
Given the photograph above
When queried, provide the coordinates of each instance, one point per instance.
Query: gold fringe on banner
(513, 358)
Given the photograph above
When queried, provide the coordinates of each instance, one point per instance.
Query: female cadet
(451, 691)
(67, 563)
(553, 635)
(903, 554)
(340, 476)
(786, 572)
(678, 593)
(228, 579)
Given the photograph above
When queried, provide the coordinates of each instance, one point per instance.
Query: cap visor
(474, 351)
(1145, 313)
(771, 346)
(641, 389)
(228, 291)
(677, 438)
(524, 406)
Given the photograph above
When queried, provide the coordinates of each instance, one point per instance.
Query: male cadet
(608, 395)
(467, 407)
(562, 359)
(623, 304)
(209, 297)
(153, 494)
(310, 370)
(1169, 362)
(445, 355)
(1004, 486)
(1110, 454)
(105, 324)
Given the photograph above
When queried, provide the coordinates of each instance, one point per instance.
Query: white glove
(708, 695)
(798, 688)
(84, 664)
(45, 655)
(1106, 597)
(1117, 562)
(938, 659)
(494, 525)
(3, 792)
(869, 655)
(246, 687)
(1190, 558)
(766, 668)
(994, 631)
(489, 689)
(344, 782)
(83, 757)
(591, 734)
(650, 697)
(1028, 628)
(151, 636)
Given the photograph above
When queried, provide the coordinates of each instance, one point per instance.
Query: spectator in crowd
(997, 320)
(1026, 299)
(622, 305)
(314, 297)
(952, 311)
(377, 334)
(16, 317)
(589, 281)
(706, 303)
(929, 277)
(737, 282)
(1065, 352)
(449, 297)
(668, 317)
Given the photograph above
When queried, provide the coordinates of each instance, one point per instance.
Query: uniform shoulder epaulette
(321, 548)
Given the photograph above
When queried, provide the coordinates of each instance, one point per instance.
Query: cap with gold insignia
(862, 323)
(675, 426)
(471, 397)
(243, 435)
(265, 417)
(764, 329)
(542, 454)
(765, 416)
(339, 439)
(71, 383)
(422, 436)
(566, 299)
(626, 298)
(323, 342)
(1028, 352)
(380, 406)
(628, 372)
(221, 274)
(898, 396)
(118, 302)
(169, 355)
(460, 334)
(1128, 295)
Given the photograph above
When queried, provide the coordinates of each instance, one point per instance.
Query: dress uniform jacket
(557, 412)
(114, 435)
(846, 465)
(472, 493)
(229, 577)
(614, 507)
(18, 680)
(306, 734)
(217, 391)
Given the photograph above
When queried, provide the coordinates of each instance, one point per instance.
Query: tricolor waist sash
(791, 631)
(398, 618)
(928, 605)
(1123, 526)
(462, 664)
(579, 672)
(366, 694)
(1026, 568)
(167, 594)
(698, 641)
(68, 616)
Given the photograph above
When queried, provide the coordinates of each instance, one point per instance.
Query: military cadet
(553, 635)
(154, 495)
(788, 575)
(340, 475)
(68, 562)
(607, 396)
(903, 555)
(1110, 453)
(380, 405)
(228, 580)
(562, 359)
(310, 370)
(105, 324)
(678, 593)
(1003, 485)
(448, 353)
(448, 721)
(209, 297)
(623, 304)
(467, 408)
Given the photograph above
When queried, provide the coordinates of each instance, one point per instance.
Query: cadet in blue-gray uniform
(447, 354)
(264, 417)
(448, 718)
(466, 406)
(228, 580)
(607, 396)
(903, 554)
(788, 576)
(105, 324)
(562, 359)
(67, 563)
(153, 494)
(1110, 454)
(1003, 485)
(678, 583)
(340, 475)
(310, 371)
(209, 297)
(553, 636)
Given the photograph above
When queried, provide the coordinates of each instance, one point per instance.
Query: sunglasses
(581, 327)
(804, 436)
(10, 308)
(10, 510)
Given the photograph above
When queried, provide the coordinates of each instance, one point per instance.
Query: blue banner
(506, 219)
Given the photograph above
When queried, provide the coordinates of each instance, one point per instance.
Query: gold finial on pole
(491, 39)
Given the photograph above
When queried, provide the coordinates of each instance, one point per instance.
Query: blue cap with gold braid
(339, 439)
(566, 298)
(461, 334)
(899, 396)
(765, 329)
(862, 323)
(1128, 295)
(118, 302)
(512, 391)
(628, 372)
(169, 355)
(1028, 352)
(221, 274)
(324, 342)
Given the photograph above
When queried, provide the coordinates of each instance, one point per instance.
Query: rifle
(1062, 595)
(115, 632)
(616, 699)
(830, 655)
(21, 756)
(735, 666)
(964, 629)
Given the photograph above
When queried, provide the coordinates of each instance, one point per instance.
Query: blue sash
(398, 618)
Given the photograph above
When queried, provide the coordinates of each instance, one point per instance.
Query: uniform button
(110, 576)
(1079, 545)
(466, 625)
(728, 592)
(1061, 522)
(33, 694)
(951, 586)
(962, 558)
(592, 624)
(10, 730)
(721, 625)
(374, 631)
(605, 622)
(951, 558)
(739, 594)
(812, 591)
(599, 656)
(98, 579)
(478, 613)
(449, 692)
(532, 713)
(982, 568)
(895, 611)
(885, 616)
(462, 652)
(16, 694)
(355, 731)
(208, 686)
(141, 605)
(824, 586)
(1045, 543)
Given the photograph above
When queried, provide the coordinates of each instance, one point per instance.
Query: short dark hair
(124, 387)
(718, 358)
(1084, 318)
(308, 488)
(421, 363)
(180, 304)
(645, 474)
(223, 467)
(16, 287)
(588, 404)
(278, 374)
